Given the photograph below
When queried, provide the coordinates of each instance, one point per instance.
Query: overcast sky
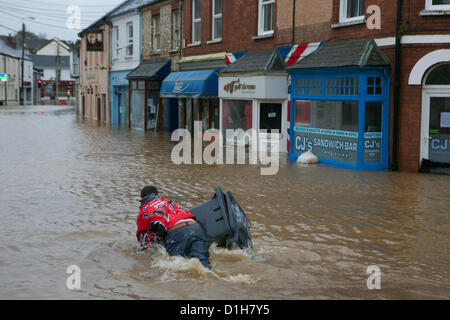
(50, 17)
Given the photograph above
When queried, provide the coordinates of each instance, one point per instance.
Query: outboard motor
(224, 221)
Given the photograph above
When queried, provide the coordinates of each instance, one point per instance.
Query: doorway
(435, 128)
(270, 123)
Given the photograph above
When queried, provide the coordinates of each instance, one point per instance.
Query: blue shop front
(118, 88)
(340, 105)
(197, 94)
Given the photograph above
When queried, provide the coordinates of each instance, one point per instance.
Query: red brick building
(420, 74)
(214, 29)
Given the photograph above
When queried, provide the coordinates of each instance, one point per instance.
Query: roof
(44, 61)
(151, 69)
(121, 9)
(6, 50)
(129, 6)
(359, 53)
(264, 60)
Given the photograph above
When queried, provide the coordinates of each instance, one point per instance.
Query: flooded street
(69, 194)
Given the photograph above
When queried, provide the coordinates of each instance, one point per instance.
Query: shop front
(340, 105)
(147, 111)
(196, 94)
(253, 94)
(119, 98)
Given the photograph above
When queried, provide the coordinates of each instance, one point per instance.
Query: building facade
(125, 56)
(420, 69)
(94, 72)
(216, 34)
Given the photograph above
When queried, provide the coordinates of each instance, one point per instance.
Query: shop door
(435, 131)
(270, 115)
(152, 111)
(99, 110)
(436, 140)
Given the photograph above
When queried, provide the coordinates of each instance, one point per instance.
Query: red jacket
(155, 209)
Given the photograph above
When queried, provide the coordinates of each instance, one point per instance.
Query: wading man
(177, 228)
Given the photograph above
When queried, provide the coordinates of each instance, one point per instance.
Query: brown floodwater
(69, 191)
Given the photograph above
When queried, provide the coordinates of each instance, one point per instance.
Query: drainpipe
(398, 37)
(180, 23)
(293, 22)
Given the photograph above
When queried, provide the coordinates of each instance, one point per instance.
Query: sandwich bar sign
(3, 77)
(330, 144)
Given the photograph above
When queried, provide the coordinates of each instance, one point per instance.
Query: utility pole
(57, 73)
(22, 66)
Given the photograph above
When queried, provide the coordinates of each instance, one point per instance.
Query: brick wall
(240, 25)
(164, 10)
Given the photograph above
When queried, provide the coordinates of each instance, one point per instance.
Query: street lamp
(22, 97)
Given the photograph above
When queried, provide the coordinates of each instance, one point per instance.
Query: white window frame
(156, 44)
(436, 7)
(214, 17)
(117, 43)
(130, 40)
(261, 31)
(175, 29)
(195, 21)
(343, 13)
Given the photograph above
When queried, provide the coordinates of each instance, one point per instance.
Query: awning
(151, 69)
(191, 84)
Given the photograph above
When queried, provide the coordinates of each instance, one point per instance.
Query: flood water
(69, 193)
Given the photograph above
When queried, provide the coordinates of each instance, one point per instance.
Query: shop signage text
(236, 85)
(334, 147)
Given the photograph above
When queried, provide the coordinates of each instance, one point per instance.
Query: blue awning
(191, 84)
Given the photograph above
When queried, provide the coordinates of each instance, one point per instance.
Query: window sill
(174, 51)
(434, 12)
(197, 44)
(129, 57)
(214, 41)
(263, 36)
(349, 23)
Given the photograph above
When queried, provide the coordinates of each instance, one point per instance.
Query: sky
(54, 18)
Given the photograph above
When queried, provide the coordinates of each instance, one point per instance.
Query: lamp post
(22, 94)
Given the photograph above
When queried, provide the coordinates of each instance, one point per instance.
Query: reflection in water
(69, 191)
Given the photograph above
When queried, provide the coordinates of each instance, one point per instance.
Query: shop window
(237, 114)
(217, 19)
(439, 76)
(374, 86)
(331, 115)
(266, 14)
(196, 21)
(437, 4)
(342, 86)
(351, 10)
(308, 87)
(302, 113)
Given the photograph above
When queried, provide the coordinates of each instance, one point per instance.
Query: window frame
(215, 16)
(436, 7)
(261, 4)
(116, 39)
(175, 32)
(130, 40)
(156, 45)
(343, 13)
(195, 21)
